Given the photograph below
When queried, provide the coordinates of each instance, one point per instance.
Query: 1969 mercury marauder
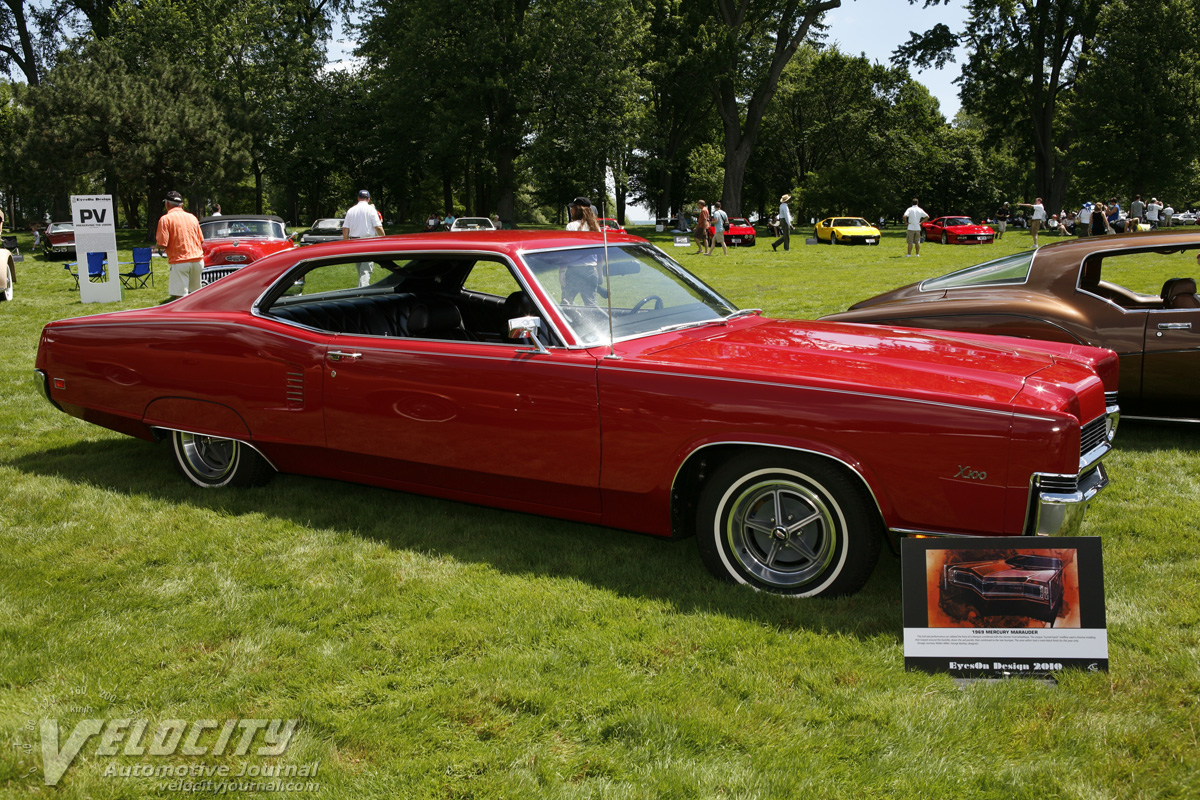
(563, 374)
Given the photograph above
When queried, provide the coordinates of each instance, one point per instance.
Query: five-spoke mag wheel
(789, 524)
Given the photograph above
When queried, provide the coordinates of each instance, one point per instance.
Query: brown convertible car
(1134, 294)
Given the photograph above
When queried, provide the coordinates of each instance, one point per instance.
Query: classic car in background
(1025, 584)
(846, 230)
(1093, 291)
(957, 230)
(59, 239)
(506, 370)
(612, 224)
(323, 230)
(235, 240)
(741, 233)
(472, 224)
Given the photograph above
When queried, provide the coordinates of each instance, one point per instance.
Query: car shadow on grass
(514, 543)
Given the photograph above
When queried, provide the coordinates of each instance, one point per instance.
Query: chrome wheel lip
(210, 458)
(811, 552)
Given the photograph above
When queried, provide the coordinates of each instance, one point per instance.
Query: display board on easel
(96, 232)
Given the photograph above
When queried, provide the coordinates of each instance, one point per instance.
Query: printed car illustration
(957, 230)
(846, 230)
(544, 372)
(1131, 293)
(1022, 585)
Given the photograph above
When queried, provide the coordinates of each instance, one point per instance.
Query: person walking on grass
(701, 231)
(720, 221)
(785, 225)
(913, 217)
(179, 236)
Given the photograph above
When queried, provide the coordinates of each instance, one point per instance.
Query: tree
(753, 42)
(1024, 57)
(1136, 121)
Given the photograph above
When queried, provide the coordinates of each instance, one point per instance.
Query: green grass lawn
(432, 649)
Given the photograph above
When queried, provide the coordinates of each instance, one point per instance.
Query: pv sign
(96, 232)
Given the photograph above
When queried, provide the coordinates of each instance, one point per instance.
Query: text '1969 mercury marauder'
(594, 379)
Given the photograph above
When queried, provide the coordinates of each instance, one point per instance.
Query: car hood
(873, 359)
(855, 230)
(969, 228)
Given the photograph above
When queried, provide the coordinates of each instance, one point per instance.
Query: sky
(877, 27)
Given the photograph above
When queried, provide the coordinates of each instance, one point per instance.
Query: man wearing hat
(362, 222)
(785, 225)
(179, 235)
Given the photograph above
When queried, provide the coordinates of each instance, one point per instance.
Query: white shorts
(185, 277)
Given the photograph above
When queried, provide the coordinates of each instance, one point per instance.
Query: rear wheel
(211, 462)
(788, 524)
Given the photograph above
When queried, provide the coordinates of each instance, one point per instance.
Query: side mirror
(526, 329)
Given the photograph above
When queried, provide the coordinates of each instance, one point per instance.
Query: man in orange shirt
(179, 234)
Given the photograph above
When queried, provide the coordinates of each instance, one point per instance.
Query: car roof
(244, 218)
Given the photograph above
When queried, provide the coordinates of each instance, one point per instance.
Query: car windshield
(253, 228)
(61, 227)
(1008, 270)
(739, 221)
(473, 222)
(851, 222)
(327, 224)
(956, 221)
(647, 291)
(611, 224)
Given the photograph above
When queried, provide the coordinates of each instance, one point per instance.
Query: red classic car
(541, 371)
(612, 224)
(58, 239)
(741, 233)
(1024, 584)
(957, 230)
(233, 241)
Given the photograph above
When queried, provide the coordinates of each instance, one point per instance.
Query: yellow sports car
(847, 230)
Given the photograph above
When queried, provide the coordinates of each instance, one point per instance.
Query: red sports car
(612, 224)
(231, 242)
(544, 372)
(957, 230)
(740, 233)
(58, 239)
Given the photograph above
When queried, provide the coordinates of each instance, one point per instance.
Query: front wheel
(211, 462)
(787, 524)
(945, 238)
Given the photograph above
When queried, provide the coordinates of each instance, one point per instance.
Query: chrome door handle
(338, 355)
(1174, 326)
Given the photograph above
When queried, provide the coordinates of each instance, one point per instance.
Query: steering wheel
(658, 303)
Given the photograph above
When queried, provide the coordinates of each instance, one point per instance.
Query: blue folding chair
(96, 268)
(141, 270)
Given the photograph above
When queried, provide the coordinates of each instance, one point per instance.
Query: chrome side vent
(295, 389)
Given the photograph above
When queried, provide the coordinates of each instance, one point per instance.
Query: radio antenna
(607, 281)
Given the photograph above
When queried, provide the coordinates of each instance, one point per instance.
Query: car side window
(443, 297)
(1144, 281)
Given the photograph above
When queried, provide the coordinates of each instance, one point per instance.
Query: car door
(491, 418)
(1170, 363)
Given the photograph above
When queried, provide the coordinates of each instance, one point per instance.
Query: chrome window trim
(410, 255)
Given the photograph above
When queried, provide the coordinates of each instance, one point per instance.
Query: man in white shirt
(914, 216)
(785, 225)
(1167, 213)
(1084, 225)
(362, 222)
(1039, 217)
(1152, 210)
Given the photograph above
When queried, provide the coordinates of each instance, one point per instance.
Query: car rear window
(1012, 269)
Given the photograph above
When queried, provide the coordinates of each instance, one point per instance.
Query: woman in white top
(581, 279)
